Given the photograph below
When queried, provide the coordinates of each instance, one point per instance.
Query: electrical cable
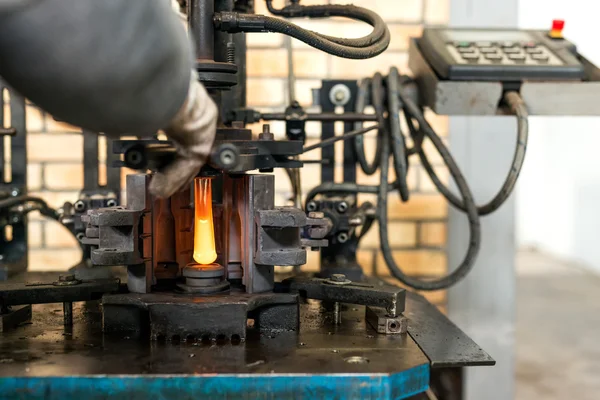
(518, 108)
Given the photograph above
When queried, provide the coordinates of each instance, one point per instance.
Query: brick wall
(417, 228)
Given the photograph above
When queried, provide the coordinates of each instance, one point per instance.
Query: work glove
(192, 131)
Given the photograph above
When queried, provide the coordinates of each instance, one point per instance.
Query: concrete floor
(558, 330)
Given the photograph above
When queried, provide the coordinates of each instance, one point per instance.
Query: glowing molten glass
(204, 231)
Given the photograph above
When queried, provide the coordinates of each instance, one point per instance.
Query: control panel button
(533, 50)
(487, 50)
(540, 58)
(462, 44)
(512, 50)
(471, 57)
(518, 58)
(466, 50)
(484, 44)
(529, 45)
(495, 57)
(507, 44)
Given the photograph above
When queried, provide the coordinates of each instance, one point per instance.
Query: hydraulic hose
(359, 146)
(518, 108)
(396, 137)
(331, 10)
(360, 48)
(475, 228)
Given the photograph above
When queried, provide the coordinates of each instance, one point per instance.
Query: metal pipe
(221, 39)
(201, 28)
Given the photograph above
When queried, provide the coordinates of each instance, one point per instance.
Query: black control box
(499, 55)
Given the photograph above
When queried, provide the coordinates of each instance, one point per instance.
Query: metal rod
(68, 313)
(334, 139)
(201, 28)
(337, 313)
(345, 117)
(291, 80)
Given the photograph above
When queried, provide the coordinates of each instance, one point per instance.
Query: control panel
(500, 55)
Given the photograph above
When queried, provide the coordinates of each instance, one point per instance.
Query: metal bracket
(447, 97)
(391, 298)
(53, 292)
(378, 318)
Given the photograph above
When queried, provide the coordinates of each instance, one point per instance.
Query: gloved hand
(193, 131)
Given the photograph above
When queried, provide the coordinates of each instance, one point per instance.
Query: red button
(558, 25)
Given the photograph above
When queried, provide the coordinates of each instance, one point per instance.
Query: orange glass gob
(204, 231)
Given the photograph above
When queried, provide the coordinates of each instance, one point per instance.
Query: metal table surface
(46, 360)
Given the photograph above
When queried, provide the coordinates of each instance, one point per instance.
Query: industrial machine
(197, 310)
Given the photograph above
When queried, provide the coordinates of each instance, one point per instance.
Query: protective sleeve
(113, 66)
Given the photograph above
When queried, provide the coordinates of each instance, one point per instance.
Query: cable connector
(233, 22)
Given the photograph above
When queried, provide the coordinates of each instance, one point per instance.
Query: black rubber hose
(475, 228)
(359, 142)
(332, 188)
(44, 208)
(324, 43)
(397, 140)
(331, 10)
(517, 106)
(234, 22)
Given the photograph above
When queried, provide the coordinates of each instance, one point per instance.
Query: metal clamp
(390, 298)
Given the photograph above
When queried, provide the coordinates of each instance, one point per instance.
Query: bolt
(66, 278)
(79, 206)
(342, 207)
(15, 192)
(316, 215)
(392, 310)
(338, 277)
(80, 236)
(111, 203)
(337, 312)
(227, 157)
(343, 237)
(339, 95)
(15, 219)
(266, 133)
(311, 206)
(68, 313)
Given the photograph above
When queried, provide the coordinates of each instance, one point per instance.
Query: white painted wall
(558, 197)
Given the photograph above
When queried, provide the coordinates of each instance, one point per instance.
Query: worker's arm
(112, 66)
